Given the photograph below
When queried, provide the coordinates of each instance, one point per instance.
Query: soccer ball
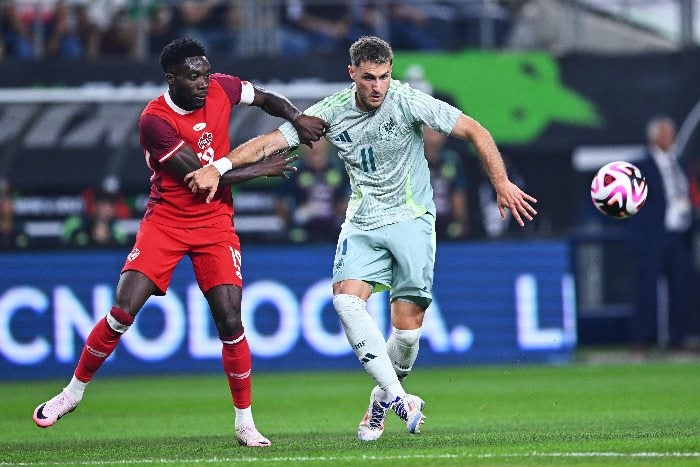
(619, 190)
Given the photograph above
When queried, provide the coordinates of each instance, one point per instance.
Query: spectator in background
(313, 202)
(99, 226)
(16, 34)
(482, 24)
(449, 186)
(212, 22)
(369, 18)
(117, 30)
(427, 26)
(311, 27)
(161, 25)
(63, 36)
(88, 32)
(11, 236)
(659, 236)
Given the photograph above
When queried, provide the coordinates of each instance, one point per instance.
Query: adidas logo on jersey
(344, 137)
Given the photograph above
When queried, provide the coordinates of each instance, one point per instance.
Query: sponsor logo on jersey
(199, 126)
(205, 140)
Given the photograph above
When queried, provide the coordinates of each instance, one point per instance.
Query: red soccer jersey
(164, 129)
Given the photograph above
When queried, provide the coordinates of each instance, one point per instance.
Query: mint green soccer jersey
(383, 151)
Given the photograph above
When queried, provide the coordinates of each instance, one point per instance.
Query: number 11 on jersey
(367, 156)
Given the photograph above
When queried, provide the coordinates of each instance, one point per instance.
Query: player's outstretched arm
(274, 165)
(310, 128)
(508, 195)
(206, 179)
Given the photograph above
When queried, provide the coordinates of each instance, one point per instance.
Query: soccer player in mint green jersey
(388, 238)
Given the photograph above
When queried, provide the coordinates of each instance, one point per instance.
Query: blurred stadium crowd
(135, 29)
(311, 206)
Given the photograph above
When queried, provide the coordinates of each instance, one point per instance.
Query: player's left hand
(509, 196)
(204, 179)
(310, 128)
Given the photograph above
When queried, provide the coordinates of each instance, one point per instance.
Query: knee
(229, 327)
(348, 306)
(228, 324)
(407, 337)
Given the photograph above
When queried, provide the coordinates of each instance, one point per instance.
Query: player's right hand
(205, 179)
(310, 128)
(510, 197)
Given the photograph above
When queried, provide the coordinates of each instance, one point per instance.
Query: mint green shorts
(399, 257)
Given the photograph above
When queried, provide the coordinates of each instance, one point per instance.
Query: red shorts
(215, 252)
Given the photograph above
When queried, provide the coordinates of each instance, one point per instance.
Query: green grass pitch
(621, 414)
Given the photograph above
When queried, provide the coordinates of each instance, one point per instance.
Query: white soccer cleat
(409, 409)
(50, 411)
(248, 435)
(372, 424)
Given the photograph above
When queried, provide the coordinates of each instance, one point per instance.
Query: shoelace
(400, 410)
(377, 416)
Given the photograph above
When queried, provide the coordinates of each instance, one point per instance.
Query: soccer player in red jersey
(187, 128)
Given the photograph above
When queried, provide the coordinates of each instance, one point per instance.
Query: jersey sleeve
(290, 133)
(424, 108)
(158, 137)
(232, 86)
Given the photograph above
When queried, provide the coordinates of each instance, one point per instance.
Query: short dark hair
(178, 50)
(370, 49)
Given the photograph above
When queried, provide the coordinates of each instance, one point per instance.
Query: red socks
(104, 337)
(101, 341)
(236, 359)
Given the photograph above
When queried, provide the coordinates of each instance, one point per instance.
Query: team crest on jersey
(205, 140)
(199, 126)
(388, 130)
(338, 266)
(134, 254)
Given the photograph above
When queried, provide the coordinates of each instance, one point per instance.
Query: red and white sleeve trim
(172, 152)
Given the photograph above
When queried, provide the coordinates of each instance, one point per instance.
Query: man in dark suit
(660, 240)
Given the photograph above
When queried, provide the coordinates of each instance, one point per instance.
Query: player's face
(189, 83)
(372, 82)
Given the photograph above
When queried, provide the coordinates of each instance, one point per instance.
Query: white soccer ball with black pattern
(619, 190)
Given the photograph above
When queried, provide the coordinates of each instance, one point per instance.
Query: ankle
(75, 389)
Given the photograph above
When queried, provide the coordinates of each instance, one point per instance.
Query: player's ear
(169, 78)
(351, 72)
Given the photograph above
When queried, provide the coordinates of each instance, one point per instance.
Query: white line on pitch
(226, 460)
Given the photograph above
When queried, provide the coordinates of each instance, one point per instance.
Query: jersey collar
(174, 106)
